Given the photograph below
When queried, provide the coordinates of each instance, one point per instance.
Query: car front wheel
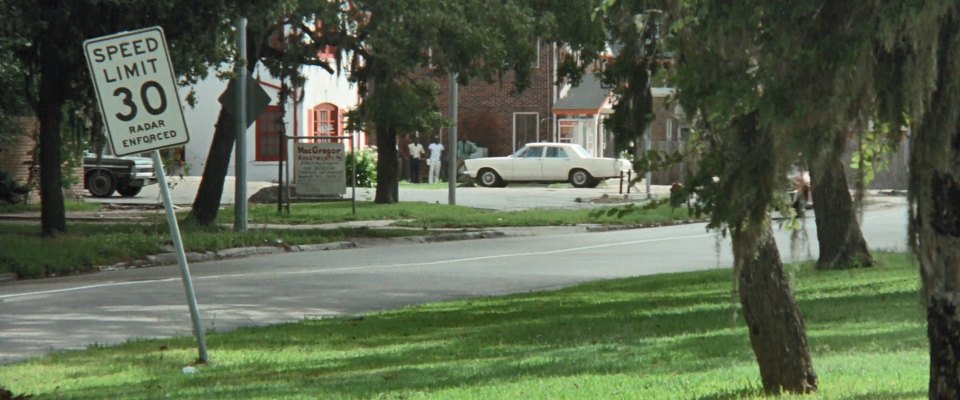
(100, 184)
(489, 178)
(581, 179)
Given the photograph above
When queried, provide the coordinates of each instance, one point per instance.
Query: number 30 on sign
(136, 90)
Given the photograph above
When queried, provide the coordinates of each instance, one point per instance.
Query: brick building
(498, 118)
(18, 158)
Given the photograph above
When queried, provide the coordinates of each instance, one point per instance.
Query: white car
(546, 162)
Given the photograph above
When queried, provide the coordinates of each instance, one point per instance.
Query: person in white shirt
(416, 154)
(433, 164)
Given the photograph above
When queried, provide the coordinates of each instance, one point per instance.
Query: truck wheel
(100, 183)
(129, 191)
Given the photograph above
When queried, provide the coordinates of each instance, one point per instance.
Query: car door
(526, 164)
(555, 165)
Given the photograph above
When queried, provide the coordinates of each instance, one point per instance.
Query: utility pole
(452, 168)
(240, 194)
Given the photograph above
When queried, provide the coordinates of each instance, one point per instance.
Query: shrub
(12, 192)
(366, 167)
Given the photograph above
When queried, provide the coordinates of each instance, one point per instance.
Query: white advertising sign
(136, 90)
(320, 169)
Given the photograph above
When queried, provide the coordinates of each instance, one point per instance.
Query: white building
(316, 111)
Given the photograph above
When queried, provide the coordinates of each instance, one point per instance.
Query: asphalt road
(115, 306)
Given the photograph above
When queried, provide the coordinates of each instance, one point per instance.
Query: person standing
(403, 153)
(433, 164)
(465, 148)
(416, 154)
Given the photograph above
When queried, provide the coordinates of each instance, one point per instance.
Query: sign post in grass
(140, 104)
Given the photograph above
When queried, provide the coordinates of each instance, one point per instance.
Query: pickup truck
(126, 175)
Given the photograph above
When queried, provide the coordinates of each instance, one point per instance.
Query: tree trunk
(838, 232)
(53, 88)
(388, 187)
(775, 324)
(207, 203)
(935, 214)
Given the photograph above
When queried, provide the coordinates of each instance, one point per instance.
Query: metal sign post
(181, 257)
(240, 178)
(139, 100)
(452, 168)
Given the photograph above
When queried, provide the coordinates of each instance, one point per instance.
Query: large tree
(918, 75)
(742, 162)
(840, 239)
(792, 74)
(769, 81)
(393, 51)
(47, 38)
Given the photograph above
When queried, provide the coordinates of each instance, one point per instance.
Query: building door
(582, 131)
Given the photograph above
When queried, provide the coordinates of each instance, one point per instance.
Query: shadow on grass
(661, 325)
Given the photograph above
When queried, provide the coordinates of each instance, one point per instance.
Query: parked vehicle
(126, 175)
(546, 162)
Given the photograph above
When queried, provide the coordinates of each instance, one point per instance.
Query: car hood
(109, 159)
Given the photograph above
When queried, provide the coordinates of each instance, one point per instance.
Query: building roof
(589, 95)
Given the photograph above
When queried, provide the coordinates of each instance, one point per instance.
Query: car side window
(532, 152)
(556, 152)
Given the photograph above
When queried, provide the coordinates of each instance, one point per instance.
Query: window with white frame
(323, 120)
(525, 128)
(536, 60)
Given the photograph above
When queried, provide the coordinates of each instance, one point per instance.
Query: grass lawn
(447, 216)
(674, 336)
(68, 205)
(86, 246)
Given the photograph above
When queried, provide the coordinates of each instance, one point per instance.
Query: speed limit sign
(136, 90)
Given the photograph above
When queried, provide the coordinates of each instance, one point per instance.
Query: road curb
(7, 277)
(163, 259)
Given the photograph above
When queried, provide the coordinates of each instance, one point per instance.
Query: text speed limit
(136, 90)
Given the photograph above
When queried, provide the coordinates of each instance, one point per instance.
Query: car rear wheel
(489, 178)
(100, 183)
(581, 179)
(129, 191)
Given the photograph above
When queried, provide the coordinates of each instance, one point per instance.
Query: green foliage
(637, 29)
(42, 44)
(11, 191)
(873, 151)
(366, 164)
(669, 336)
